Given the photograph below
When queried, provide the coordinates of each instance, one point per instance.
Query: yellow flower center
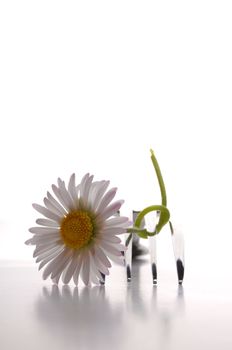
(77, 229)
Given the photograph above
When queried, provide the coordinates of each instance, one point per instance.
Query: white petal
(72, 189)
(52, 207)
(40, 250)
(56, 203)
(38, 238)
(100, 190)
(93, 277)
(49, 253)
(68, 274)
(108, 197)
(44, 262)
(66, 292)
(102, 257)
(118, 221)
(120, 260)
(56, 191)
(46, 222)
(57, 278)
(29, 242)
(99, 265)
(114, 249)
(44, 230)
(60, 267)
(93, 191)
(46, 238)
(93, 268)
(120, 247)
(102, 268)
(110, 210)
(54, 263)
(85, 271)
(78, 191)
(82, 184)
(47, 213)
(113, 231)
(48, 259)
(86, 189)
(45, 243)
(78, 268)
(109, 238)
(65, 195)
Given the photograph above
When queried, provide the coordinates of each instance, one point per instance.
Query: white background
(91, 86)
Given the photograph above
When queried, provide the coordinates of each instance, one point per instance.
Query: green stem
(164, 216)
(141, 232)
(136, 230)
(164, 212)
(160, 178)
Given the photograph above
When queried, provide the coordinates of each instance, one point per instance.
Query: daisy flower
(79, 234)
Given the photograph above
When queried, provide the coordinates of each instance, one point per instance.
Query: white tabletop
(38, 315)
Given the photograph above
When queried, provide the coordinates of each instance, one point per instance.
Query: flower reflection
(82, 316)
(118, 316)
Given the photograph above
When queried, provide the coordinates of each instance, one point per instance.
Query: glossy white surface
(38, 315)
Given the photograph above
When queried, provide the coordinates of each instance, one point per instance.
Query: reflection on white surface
(80, 317)
(36, 314)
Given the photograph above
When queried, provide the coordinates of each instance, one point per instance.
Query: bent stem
(162, 189)
(143, 233)
(140, 232)
(160, 178)
(164, 218)
(164, 212)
